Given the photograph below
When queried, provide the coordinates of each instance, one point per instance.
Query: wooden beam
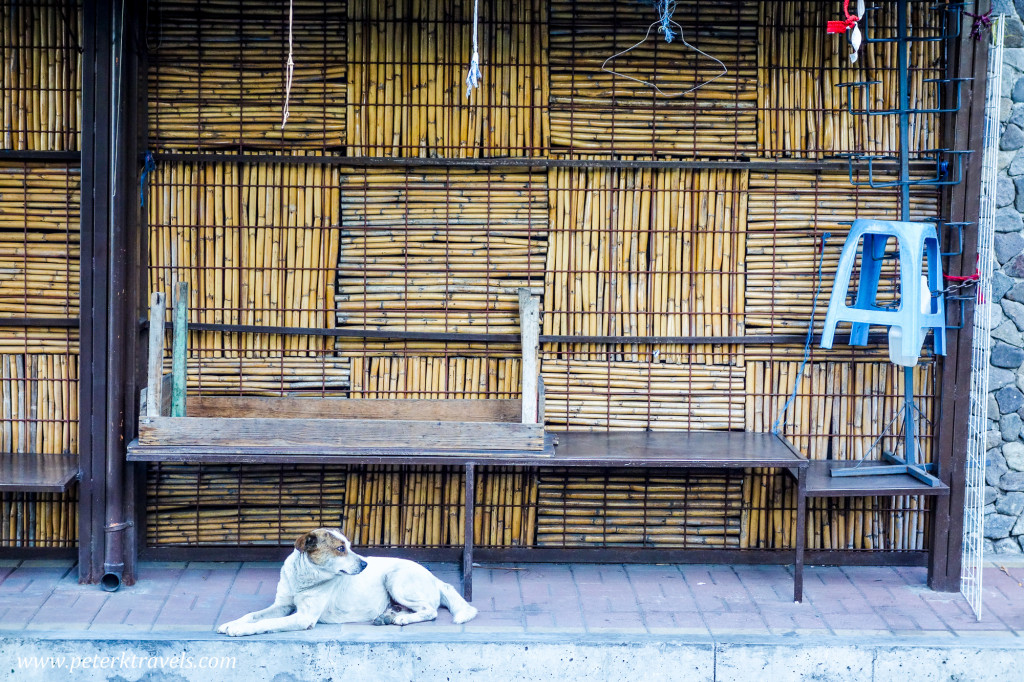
(368, 434)
(490, 410)
(529, 330)
(155, 372)
(179, 350)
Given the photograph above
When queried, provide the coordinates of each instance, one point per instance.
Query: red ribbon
(842, 26)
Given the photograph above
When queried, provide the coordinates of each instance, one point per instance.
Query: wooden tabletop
(705, 449)
(33, 473)
(821, 483)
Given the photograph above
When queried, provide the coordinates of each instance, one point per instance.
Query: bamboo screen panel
(443, 250)
(594, 111)
(42, 74)
(624, 508)
(257, 244)
(803, 112)
(216, 75)
(39, 301)
(407, 71)
(787, 216)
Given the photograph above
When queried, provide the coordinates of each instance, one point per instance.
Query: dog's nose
(362, 566)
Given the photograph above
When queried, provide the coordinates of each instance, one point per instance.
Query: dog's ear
(306, 542)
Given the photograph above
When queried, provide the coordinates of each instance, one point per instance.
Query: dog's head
(330, 551)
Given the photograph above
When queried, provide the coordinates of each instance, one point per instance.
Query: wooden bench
(693, 449)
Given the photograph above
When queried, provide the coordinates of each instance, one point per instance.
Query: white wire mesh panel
(970, 571)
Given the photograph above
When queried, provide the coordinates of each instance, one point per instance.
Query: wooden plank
(156, 354)
(352, 433)
(529, 330)
(490, 410)
(337, 454)
(179, 350)
(22, 472)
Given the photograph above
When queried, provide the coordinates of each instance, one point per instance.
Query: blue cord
(147, 168)
(810, 337)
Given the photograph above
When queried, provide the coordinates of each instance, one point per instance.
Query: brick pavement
(712, 600)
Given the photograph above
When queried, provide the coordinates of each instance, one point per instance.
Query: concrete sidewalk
(537, 621)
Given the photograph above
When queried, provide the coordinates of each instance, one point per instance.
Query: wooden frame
(341, 426)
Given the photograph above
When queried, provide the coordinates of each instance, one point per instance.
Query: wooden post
(529, 330)
(178, 350)
(154, 389)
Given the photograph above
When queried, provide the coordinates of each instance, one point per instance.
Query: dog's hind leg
(419, 613)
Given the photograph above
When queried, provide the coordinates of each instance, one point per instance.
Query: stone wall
(1004, 468)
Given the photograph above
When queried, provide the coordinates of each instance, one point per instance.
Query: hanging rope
(147, 168)
(665, 9)
(474, 76)
(807, 342)
(289, 67)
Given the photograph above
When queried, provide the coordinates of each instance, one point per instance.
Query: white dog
(324, 581)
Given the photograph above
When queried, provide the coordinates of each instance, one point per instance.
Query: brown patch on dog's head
(322, 545)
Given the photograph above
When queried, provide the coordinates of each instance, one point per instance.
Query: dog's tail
(461, 610)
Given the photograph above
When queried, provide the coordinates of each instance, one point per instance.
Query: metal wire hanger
(682, 38)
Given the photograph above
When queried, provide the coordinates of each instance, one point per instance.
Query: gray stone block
(995, 456)
(1013, 58)
(1008, 244)
(1007, 331)
(1016, 116)
(999, 377)
(1011, 504)
(994, 474)
(988, 547)
(993, 439)
(1012, 481)
(1013, 137)
(998, 526)
(1014, 293)
(990, 494)
(1005, 191)
(1006, 546)
(1018, 528)
(1010, 426)
(1007, 218)
(1009, 357)
(1013, 453)
(1000, 285)
(1003, 160)
(1014, 311)
(1014, 33)
(988, 509)
(1015, 268)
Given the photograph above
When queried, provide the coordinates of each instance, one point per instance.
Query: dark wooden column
(964, 130)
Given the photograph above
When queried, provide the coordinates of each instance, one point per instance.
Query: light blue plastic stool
(915, 240)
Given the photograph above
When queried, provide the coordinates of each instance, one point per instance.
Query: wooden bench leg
(467, 545)
(801, 534)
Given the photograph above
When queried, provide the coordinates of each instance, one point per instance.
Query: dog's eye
(341, 549)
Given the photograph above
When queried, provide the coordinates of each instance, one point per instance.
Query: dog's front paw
(236, 628)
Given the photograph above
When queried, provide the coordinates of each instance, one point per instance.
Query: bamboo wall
(39, 260)
(616, 251)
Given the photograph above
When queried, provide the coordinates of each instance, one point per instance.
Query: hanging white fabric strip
(474, 76)
(289, 67)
